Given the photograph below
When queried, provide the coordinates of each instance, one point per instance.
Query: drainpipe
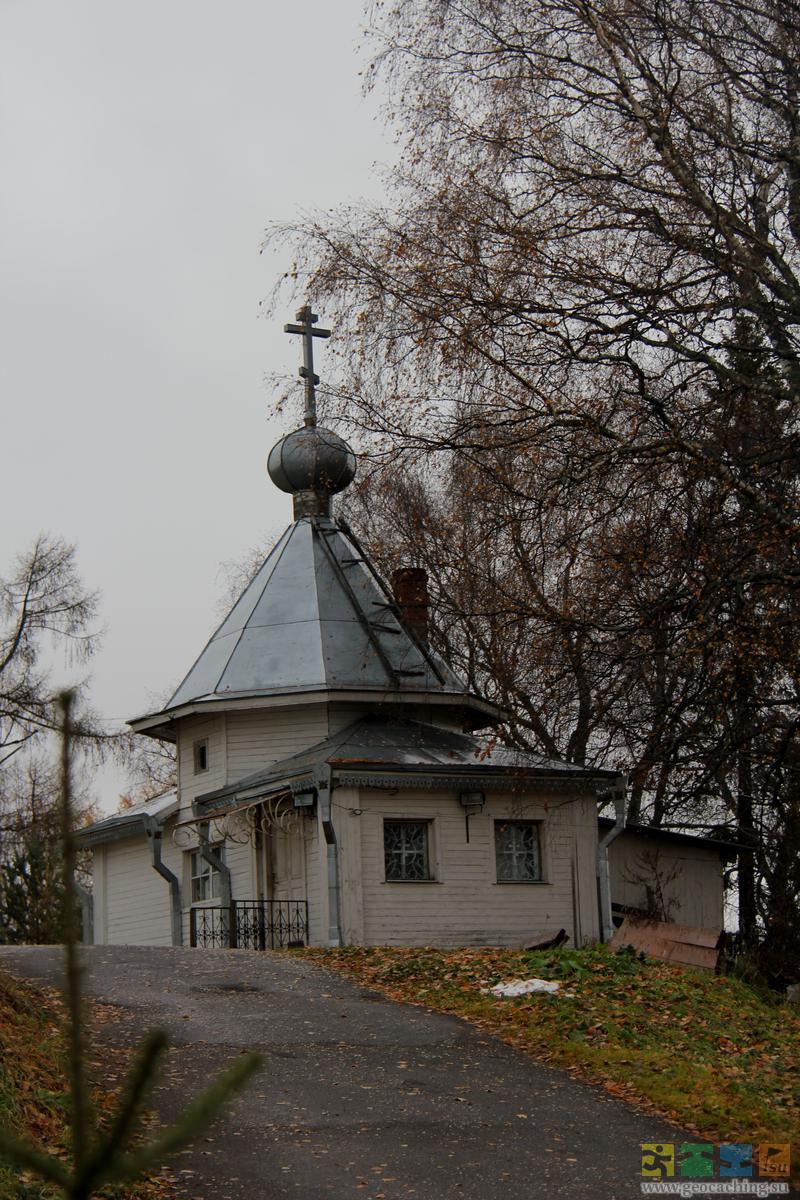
(87, 913)
(325, 793)
(216, 862)
(154, 834)
(619, 796)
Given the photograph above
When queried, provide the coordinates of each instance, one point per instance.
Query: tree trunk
(746, 834)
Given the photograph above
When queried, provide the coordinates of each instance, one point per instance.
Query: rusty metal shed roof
(724, 847)
(315, 617)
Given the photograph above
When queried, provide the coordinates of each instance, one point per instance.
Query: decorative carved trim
(508, 783)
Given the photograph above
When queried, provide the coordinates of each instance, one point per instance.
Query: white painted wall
(465, 905)
(99, 897)
(191, 783)
(262, 736)
(131, 901)
(240, 743)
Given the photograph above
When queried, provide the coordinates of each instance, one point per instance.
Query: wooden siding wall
(696, 890)
(317, 876)
(262, 736)
(192, 729)
(240, 743)
(132, 902)
(238, 857)
(465, 905)
(99, 896)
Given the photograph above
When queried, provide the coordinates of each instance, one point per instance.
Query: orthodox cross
(305, 327)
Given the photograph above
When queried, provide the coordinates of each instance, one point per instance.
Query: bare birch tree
(44, 608)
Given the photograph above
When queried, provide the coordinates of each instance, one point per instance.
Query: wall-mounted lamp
(471, 802)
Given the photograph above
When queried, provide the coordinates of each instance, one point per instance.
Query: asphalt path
(359, 1096)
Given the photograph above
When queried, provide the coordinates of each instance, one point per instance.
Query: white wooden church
(336, 779)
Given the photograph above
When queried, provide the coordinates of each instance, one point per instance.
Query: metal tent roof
(315, 617)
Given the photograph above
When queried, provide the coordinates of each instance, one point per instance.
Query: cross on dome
(311, 463)
(305, 327)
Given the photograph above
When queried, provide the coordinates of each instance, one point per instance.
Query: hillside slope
(33, 1087)
(704, 1050)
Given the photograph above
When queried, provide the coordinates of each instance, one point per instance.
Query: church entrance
(280, 844)
(278, 917)
(288, 855)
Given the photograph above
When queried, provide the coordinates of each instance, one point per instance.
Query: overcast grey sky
(145, 146)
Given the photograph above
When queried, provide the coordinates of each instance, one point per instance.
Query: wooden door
(288, 861)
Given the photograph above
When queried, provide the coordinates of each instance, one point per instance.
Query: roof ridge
(350, 595)
(425, 650)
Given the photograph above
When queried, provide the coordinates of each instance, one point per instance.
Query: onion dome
(312, 464)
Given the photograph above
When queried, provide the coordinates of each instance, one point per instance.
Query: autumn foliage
(569, 347)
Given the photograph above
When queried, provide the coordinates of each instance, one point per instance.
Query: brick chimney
(410, 585)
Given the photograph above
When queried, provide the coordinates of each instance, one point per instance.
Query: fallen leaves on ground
(34, 1098)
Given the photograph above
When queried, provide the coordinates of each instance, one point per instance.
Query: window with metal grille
(205, 878)
(517, 851)
(405, 850)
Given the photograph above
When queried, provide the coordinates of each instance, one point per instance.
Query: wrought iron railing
(250, 924)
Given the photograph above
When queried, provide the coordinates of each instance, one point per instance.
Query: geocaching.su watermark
(703, 1169)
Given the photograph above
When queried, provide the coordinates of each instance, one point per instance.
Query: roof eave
(123, 825)
(163, 724)
(725, 849)
(442, 776)
(209, 802)
(588, 781)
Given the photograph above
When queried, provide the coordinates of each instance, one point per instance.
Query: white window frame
(201, 872)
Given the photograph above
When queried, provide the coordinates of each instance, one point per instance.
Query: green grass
(703, 1050)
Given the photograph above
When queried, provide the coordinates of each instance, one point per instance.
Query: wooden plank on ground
(688, 944)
